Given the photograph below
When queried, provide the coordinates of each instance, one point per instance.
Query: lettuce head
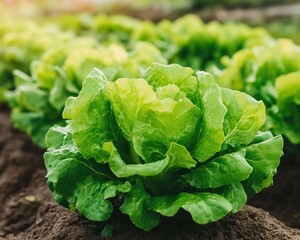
(170, 140)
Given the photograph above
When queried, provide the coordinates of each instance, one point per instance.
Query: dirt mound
(28, 210)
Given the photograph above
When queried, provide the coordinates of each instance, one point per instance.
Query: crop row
(133, 117)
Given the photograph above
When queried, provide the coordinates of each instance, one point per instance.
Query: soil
(28, 211)
(282, 200)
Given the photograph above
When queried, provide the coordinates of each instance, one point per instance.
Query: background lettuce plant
(172, 139)
(187, 40)
(38, 100)
(21, 45)
(270, 73)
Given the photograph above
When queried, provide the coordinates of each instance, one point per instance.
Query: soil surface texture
(282, 200)
(28, 211)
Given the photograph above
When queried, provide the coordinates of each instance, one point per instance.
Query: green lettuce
(269, 73)
(21, 45)
(288, 89)
(201, 45)
(170, 140)
(187, 40)
(38, 100)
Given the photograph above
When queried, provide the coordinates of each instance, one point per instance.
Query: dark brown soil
(27, 210)
(282, 200)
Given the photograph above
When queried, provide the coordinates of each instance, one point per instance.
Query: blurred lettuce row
(187, 40)
(38, 99)
(270, 73)
(23, 42)
(7, 25)
(203, 45)
(170, 140)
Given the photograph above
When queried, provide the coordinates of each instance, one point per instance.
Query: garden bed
(28, 210)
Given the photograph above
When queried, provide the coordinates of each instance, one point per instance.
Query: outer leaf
(67, 113)
(58, 137)
(92, 121)
(121, 169)
(235, 194)
(93, 185)
(161, 123)
(204, 207)
(127, 97)
(244, 117)
(211, 135)
(224, 170)
(32, 98)
(91, 197)
(264, 157)
(134, 206)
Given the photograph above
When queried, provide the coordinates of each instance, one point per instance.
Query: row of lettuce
(157, 137)
(262, 67)
(180, 41)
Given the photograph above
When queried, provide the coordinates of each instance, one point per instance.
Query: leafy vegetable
(170, 140)
(200, 45)
(21, 45)
(270, 73)
(39, 99)
(187, 41)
